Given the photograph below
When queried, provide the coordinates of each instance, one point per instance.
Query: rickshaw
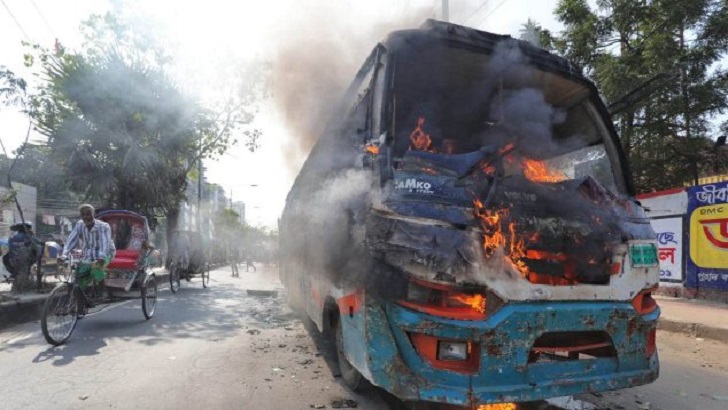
(189, 259)
(128, 276)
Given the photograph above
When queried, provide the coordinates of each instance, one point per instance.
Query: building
(239, 207)
(9, 215)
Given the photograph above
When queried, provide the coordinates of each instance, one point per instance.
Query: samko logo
(709, 236)
(413, 185)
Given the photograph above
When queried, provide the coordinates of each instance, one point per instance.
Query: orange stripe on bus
(350, 304)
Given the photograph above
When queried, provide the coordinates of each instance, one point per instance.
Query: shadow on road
(193, 312)
(63, 355)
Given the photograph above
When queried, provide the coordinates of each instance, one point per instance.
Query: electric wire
(491, 12)
(17, 23)
(48, 26)
(485, 3)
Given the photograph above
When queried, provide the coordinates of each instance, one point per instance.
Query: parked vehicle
(189, 259)
(465, 228)
(24, 251)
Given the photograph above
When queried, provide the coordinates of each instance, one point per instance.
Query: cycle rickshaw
(129, 276)
(189, 259)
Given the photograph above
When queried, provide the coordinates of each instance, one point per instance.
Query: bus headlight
(452, 350)
(445, 300)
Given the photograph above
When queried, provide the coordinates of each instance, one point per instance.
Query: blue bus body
(465, 229)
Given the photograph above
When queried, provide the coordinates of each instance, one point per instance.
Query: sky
(306, 41)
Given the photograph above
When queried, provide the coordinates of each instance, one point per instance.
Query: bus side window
(357, 124)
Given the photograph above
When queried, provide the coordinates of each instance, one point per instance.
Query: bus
(465, 228)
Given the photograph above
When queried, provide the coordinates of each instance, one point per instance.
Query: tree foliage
(126, 133)
(255, 242)
(532, 32)
(664, 55)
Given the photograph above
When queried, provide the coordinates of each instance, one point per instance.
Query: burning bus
(465, 228)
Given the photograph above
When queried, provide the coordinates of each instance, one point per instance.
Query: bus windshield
(452, 100)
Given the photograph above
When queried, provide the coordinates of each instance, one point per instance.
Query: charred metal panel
(439, 252)
(430, 250)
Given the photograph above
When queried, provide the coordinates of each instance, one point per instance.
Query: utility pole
(199, 191)
(445, 11)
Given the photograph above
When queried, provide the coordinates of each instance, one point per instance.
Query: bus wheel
(351, 376)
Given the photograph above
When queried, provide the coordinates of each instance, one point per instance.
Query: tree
(14, 92)
(624, 45)
(532, 32)
(126, 134)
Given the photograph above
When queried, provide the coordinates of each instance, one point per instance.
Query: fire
(537, 171)
(499, 406)
(506, 149)
(421, 140)
(372, 149)
(477, 302)
(493, 236)
(498, 230)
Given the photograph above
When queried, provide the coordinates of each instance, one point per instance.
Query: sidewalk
(698, 318)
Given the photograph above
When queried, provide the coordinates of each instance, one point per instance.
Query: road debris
(344, 404)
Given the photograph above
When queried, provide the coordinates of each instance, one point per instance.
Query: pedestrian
(234, 259)
(249, 264)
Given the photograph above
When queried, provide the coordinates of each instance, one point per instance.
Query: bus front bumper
(506, 371)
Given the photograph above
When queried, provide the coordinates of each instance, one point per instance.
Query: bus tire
(353, 379)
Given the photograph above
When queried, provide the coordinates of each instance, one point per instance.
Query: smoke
(319, 50)
(324, 232)
(522, 114)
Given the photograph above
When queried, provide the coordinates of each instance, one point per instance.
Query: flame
(421, 141)
(493, 236)
(498, 406)
(488, 169)
(477, 302)
(506, 149)
(372, 149)
(537, 171)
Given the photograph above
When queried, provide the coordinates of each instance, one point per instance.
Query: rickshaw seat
(125, 259)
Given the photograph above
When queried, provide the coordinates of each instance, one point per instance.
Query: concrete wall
(665, 203)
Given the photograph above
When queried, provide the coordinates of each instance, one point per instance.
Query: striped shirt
(96, 242)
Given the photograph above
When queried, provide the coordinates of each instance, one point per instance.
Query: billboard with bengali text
(670, 244)
(707, 263)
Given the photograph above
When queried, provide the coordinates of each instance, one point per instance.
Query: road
(693, 375)
(221, 348)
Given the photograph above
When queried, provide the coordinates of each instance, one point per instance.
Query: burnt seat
(125, 259)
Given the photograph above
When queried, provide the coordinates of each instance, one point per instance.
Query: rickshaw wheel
(206, 276)
(174, 281)
(60, 314)
(149, 296)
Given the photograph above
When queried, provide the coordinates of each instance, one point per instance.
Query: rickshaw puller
(98, 247)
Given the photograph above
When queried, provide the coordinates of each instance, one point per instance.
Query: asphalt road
(220, 348)
(215, 348)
